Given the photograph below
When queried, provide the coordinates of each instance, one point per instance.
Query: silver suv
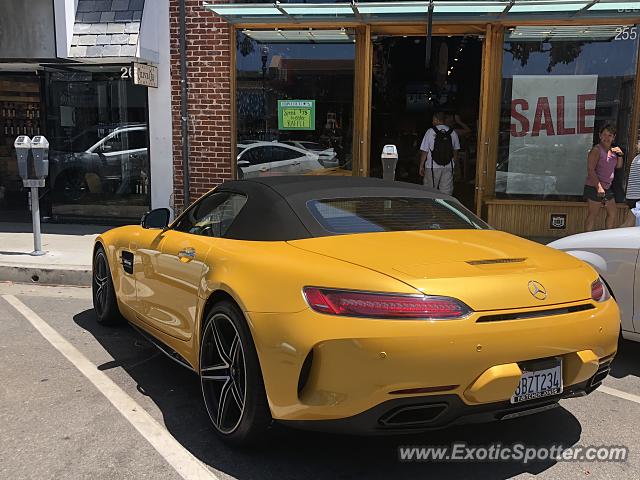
(117, 163)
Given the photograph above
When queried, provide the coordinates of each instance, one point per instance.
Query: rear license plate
(539, 384)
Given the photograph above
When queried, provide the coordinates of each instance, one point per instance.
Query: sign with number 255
(626, 33)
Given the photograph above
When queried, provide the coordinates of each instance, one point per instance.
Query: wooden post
(489, 119)
(362, 102)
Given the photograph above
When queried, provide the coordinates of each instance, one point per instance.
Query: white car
(256, 159)
(327, 155)
(614, 254)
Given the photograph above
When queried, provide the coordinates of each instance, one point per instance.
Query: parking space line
(185, 464)
(619, 393)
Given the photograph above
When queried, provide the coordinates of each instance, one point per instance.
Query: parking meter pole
(32, 156)
(35, 214)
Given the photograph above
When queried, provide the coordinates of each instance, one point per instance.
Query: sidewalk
(67, 260)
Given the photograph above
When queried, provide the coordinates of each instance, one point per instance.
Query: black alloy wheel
(72, 187)
(230, 377)
(104, 297)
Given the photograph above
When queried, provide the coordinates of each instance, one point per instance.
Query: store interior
(20, 114)
(408, 88)
(96, 124)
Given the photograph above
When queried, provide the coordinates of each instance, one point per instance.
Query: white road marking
(187, 466)
(27, 289)
(619, 393)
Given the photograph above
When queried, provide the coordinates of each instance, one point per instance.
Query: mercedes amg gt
(355, 305)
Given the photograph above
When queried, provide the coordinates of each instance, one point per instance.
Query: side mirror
(243, 163)
(156, 218)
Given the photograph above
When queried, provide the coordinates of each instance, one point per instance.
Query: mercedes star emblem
(537, 290)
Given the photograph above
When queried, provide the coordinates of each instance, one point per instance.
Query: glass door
(407, 91)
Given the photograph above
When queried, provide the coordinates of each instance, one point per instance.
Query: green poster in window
(296, 114)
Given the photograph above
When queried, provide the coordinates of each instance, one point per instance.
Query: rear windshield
(390, 214)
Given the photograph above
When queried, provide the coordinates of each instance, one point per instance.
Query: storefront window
(560, 86)
(97, 129)
(20, 114)
(294, 102)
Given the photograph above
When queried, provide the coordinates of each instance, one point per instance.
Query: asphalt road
(56, 423)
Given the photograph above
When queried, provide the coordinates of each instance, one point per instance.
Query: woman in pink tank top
(601, 165)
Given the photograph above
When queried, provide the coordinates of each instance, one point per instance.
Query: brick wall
(209, 99)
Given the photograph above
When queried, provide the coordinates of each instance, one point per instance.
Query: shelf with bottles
(20, 110)
(13, 127)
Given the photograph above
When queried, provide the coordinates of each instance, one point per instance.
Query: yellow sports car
(356, 305)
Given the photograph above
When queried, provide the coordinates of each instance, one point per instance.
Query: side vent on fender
(127, 261)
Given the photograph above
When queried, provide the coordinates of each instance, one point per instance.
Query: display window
(295, 102)
(560, 86)
(20, 114)
(99, 149)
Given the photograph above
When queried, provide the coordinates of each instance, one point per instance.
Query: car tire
(105, 304)
(231, 378)
(71, 186)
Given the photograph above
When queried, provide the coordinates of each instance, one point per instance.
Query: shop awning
(364, 11)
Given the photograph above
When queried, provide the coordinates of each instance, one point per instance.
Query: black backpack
(442, 152)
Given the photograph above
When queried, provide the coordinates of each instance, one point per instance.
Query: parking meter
(389, 161)
(40, 151)
(23, 147)
(33, 177)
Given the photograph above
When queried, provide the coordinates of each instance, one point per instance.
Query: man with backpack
(438, 153)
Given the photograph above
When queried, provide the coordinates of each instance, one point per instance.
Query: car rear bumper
(322, 368)
(417, 414)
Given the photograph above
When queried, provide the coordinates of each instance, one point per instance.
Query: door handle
(296, 163)
(263, 169)
(187, 254)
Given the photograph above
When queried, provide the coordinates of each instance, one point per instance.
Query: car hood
(486, 269)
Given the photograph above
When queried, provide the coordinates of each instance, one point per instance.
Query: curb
(78, 276)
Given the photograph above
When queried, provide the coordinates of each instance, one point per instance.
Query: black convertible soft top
(276, 208)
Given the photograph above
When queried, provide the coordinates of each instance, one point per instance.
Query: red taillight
(383, 305)
(599, 291)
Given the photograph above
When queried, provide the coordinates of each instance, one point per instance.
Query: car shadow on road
(626, 361)
(287, 453)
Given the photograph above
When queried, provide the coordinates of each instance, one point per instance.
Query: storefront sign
(146, 75)
(296, 114)
(552, 123)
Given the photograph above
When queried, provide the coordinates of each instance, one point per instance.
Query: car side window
(255, 156)
(115, 143)
(212, 216)
(137, 139)
(279, 154)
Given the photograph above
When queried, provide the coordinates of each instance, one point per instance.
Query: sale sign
(552, 126)
(296, 114)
